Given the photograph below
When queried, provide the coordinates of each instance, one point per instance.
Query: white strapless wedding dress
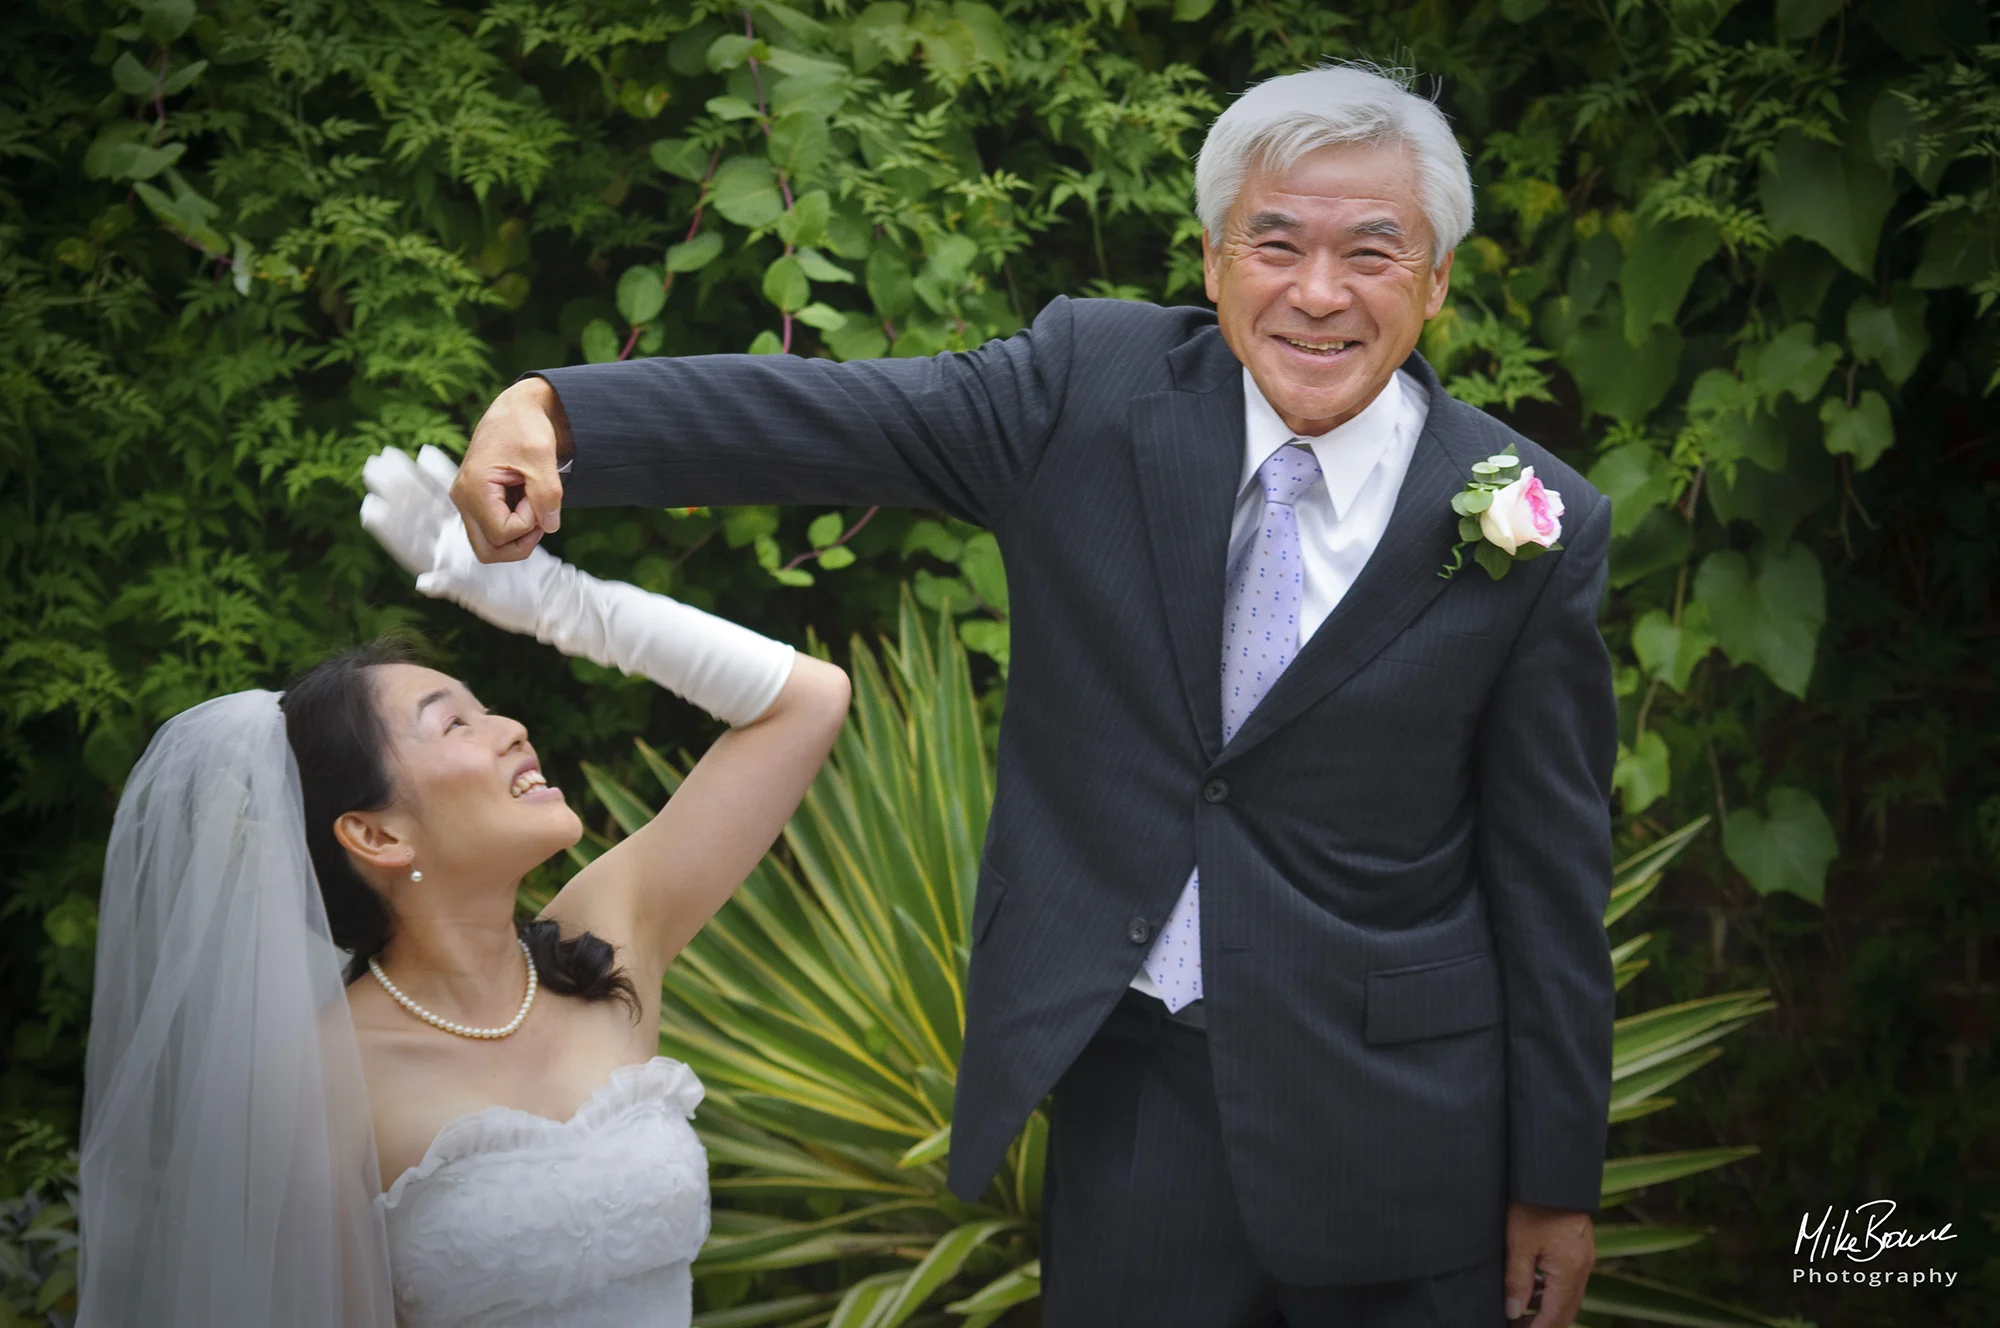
(515, 1219)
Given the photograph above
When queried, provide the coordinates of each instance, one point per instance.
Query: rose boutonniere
(1506, 512)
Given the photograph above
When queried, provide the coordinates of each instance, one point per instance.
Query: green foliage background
(1737, 260)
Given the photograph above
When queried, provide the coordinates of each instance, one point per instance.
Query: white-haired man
(1292, 895)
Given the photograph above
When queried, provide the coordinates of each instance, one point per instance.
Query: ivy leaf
(811, 93)
(746, 192)
(1636, 479)
(1890, 336)
(836, 558)
(785, 284)
(987, 638)
(930, 537)
(849, 235)
(881, 32)
(1791, 363)
(889, 285)
(799, 142)
(1190, 11)
(1738, 427)
(183, 78)
(1660, 541)
(1774, 502)
(766, 342)
(1800, 273)
(163, 20)
(730, 108)
(600, 342)
(1835, 197)
(824, 317)
(857, 338)
(136, 161)
(643, 101)
(132, 77)
(681, 156)
(695, 254)
(980, 563)
(749, 525)
(72, 923)
(804, 223)
(1670, 653)
(1863, 432)
(101, 160)
(1658, 269)
(1591, 272)
(1789, 850)
(1616, 378)
(1643, 773)
(640, 296)
(951, 257)
(1752, 437)
(825, 529)
(1767, 614)
(819, 268)
(186, 212)
(732, 49)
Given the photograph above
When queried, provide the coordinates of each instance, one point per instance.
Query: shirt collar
(1347, 455)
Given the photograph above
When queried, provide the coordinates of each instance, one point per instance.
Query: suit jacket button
(1216, 790)
(1138, 931)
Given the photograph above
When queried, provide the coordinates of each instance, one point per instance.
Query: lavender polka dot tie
(1260, 634)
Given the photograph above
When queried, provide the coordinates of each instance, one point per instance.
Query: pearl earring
(416, 876)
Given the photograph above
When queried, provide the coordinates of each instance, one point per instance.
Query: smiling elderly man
(1294, 885)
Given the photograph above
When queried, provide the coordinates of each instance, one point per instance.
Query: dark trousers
(1140, 1224)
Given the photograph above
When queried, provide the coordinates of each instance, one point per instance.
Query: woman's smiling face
(1322, 279)
(469, 794)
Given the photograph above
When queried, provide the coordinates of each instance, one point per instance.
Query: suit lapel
(1396, 583)
(1188, 448)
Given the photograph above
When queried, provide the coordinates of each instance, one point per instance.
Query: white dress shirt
(1340, 519)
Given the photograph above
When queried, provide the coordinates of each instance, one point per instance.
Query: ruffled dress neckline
(498, 1128)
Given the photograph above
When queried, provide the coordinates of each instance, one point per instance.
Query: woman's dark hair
(337, 737)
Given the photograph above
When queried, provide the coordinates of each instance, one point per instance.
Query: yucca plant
(824, 1009)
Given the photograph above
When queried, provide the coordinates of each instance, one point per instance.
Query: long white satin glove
(727, 670)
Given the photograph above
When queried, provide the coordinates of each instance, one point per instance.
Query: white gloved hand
(727, 670)
(400, 509)
(408, 503)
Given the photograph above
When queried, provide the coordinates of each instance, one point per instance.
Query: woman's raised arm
(653, 892)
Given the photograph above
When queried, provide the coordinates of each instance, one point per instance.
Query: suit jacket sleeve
(961, 432)
(1545, 752)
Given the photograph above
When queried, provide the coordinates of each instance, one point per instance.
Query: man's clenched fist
(507, 488)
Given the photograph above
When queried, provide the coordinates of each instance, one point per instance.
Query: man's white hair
(1282, 119)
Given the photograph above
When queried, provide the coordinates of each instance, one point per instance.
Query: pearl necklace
(447, 1025)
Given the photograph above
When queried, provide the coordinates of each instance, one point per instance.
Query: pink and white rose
(1523, 513)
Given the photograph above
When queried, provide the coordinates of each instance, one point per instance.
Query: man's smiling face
(1322, 279)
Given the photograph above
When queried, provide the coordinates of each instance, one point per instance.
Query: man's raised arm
(959, 432)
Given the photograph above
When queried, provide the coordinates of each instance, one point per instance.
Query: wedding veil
(228, 1163)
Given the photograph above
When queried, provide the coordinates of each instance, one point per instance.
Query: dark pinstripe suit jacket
(1405, 851)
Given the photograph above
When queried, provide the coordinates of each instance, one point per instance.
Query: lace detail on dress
(514, 1218)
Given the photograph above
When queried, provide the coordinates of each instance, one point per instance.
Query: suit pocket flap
(1431, 1000)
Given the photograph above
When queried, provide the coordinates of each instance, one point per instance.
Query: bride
(480, 1131)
